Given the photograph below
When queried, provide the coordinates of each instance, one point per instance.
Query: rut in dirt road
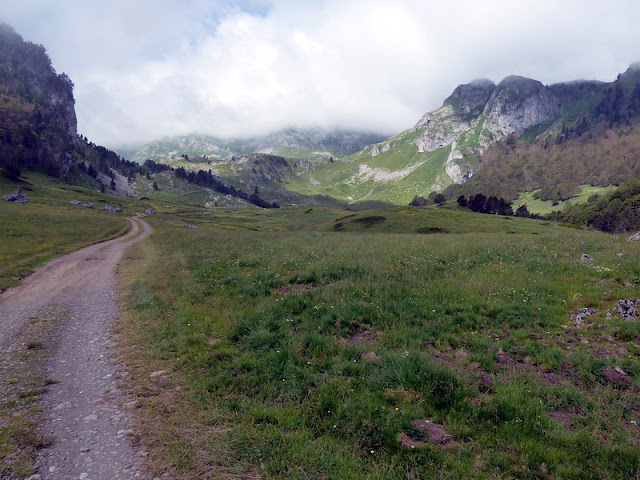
(84, 412)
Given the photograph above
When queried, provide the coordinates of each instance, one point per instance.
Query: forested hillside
(38, 127)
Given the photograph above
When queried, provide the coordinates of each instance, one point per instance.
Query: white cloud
(149, 68)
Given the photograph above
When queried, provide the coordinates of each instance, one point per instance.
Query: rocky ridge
(480, 113)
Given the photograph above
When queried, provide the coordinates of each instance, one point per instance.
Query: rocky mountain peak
(632, 73)
(634, 66)
(470, 98)
(518, 103)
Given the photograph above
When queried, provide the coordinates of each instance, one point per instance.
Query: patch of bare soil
(296, 288)
(433, 434)
(359, 338)
(372, 356)
(565, 417)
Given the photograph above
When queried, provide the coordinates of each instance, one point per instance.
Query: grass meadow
(410, 343)
(37, 231)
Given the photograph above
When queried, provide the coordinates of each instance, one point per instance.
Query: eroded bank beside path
(65, 311)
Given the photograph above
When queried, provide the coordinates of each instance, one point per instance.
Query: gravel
(83, 410)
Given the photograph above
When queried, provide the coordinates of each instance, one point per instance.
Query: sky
(147, 69)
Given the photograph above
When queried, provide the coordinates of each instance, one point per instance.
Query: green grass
(300, 352)
(541, 207)
(21, 387)
(48, 225)
(342, 179)
(531, 134)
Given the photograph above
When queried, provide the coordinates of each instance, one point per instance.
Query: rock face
(518, 103)
(36, 82)
(471, 98)
(38, 103)
(16, 197)
(440, 129)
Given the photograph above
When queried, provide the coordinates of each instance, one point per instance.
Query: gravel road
(84, 411)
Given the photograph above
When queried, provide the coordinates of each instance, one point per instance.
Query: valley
(429, 340)
(317, 303)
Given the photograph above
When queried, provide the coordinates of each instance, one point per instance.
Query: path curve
(84, 412)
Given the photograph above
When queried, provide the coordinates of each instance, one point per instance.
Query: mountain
(442, 148)
(596, 141)
(37, 113)
(500, 139)
(38, 126)
(292, 142)
(516, 136)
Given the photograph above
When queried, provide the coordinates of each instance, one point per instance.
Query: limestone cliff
(480, 113)
(517, 104)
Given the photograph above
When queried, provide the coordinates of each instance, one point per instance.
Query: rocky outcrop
(628, 309)
(111, 209)
(452, 169)
(440, 129)
(79, 203)
(518, 103)
(16, 197)
(634, 238)
(581, 315)
(471, 98)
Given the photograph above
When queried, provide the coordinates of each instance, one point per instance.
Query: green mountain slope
(517, 136)
(445, 145)
(292, 142)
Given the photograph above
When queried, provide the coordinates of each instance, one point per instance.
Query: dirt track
(84, 412)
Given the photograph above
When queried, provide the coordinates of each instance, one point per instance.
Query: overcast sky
(144, 69)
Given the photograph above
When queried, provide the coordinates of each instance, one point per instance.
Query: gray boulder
(634, 238)
(82, 204)
(111, 209)
(16, 197)
(628, 309)
(581, 315)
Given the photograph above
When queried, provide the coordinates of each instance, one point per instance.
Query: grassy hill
(393, 176)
